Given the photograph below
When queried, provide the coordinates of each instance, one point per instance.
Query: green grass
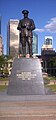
(3, 79)
(49, 78)
(52, 78)
(3, 87)
(52, 87)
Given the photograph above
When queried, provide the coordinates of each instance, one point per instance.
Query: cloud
(50, 26)
(39, 30)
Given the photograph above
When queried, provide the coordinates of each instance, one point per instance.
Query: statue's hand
(28, 28)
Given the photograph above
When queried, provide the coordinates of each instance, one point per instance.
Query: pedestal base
(26, 77)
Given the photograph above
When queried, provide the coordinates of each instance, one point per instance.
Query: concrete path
(28, 110)
(28, 107)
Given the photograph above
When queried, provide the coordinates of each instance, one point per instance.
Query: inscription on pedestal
(26, 75)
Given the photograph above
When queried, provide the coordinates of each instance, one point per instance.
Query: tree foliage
(52, 62)
(2, 61)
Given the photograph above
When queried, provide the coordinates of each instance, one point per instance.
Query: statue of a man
(26, 25)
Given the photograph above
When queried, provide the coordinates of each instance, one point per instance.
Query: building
(1, 46)
(35, 44)
(0, 25)
(47, 47)
(47, 43)
(12, 38)
(47, 52)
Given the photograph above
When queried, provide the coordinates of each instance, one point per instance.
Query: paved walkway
(28, 110)
(28, 107)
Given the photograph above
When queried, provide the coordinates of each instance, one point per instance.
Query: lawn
(4, 79)
(52, 87)
(48, 80)
(3, 87)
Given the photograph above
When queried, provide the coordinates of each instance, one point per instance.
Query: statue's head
(25, 13)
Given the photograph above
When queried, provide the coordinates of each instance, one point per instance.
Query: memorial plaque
(26, 77)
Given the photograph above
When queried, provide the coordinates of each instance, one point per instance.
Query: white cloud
(39, 30)
(50, 26)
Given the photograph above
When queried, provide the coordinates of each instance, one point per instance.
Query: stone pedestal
(26, 77)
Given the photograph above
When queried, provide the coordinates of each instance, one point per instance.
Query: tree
(2, 61)
(52, 62)
(4, 64)
(52, 65)
(5, 72)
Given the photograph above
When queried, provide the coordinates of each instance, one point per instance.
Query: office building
(12, 38)
(0, 25)
(48, 43)
(47, 47)
(47, 53)
(35, 44)
(1, 46)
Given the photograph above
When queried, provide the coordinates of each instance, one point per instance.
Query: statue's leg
(24, 46)
(30, 45)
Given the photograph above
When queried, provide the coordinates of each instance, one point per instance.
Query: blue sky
(43, 12)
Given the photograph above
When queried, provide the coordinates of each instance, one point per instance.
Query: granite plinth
(26, 77)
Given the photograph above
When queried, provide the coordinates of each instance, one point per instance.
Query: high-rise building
(48, 43)
(47, 52)
(35, 44)
(1, 46)
(12, 38)
(0, 25)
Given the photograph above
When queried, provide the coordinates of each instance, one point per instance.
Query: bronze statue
(26, 25)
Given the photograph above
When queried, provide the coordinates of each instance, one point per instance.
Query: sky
(43, 12)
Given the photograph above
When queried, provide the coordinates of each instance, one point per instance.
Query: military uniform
(26, 25)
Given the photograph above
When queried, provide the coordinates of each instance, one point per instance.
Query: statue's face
(25, 15)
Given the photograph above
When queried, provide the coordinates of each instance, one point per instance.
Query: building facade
(12, 38)
(48, 43)
(35, 44)
(47, 53)
(0, 25)
(1, 46)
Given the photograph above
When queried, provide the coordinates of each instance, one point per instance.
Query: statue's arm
(32, 25)
(19, 25)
